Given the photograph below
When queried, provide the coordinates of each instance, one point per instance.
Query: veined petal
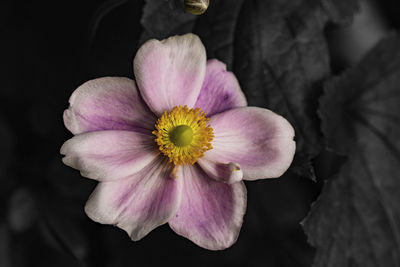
(109, 155)
(170, 72)
(220, 90)
(211, 213)
(257, 139)
(109, 103)
(137, 204)
(223, 172)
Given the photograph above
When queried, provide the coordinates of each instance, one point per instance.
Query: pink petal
(211, 213)
(139, 203)
(170, 73)
(220, 91)
(109, 103)
(257, 139)
(223, 172)
(109, 155)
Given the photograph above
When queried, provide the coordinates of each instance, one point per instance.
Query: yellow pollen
(183, 135)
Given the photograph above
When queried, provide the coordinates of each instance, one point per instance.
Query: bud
(196, 7)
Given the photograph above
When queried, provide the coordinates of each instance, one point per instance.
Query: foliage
(356, 220)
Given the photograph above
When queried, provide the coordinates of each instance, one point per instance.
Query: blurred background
(48, 48)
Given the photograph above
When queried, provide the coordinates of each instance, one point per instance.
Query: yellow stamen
(183, 135)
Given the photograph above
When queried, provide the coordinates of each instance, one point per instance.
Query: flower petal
(109, 103)
(220, 91)
(139, 203)
(223, 172)
(211, 213)
(170, 73)
(257, 139)
(109, 155)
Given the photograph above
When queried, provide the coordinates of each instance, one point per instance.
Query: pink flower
(158, 157)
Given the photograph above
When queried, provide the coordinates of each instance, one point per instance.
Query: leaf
(216, 28)
(356, 220)
(164, 18)
(281, 58)
(341, 11)
(274, 209)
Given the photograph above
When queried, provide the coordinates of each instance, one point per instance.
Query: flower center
(183, 135)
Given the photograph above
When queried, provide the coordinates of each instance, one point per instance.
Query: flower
(174, 146)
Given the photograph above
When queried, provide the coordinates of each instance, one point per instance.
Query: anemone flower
(175, 146)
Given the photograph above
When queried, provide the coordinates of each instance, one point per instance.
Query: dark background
(48, 48)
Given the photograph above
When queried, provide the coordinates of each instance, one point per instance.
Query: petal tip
(236, 173)
(213, 217)
(170, 72)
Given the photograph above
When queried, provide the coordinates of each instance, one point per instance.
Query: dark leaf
(163, 18)
(356, 221)
(275, 208)
(341, 11)
(281, 58)
(367, 95)
(216, 28)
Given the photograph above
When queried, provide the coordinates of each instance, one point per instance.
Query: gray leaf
(341, 11)
(281, 58)
(356, 221)
(217, 27)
